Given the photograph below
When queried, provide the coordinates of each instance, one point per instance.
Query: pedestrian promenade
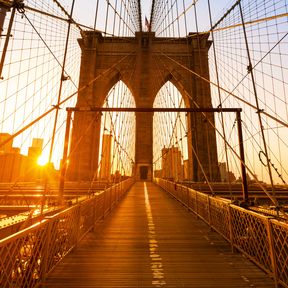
(151, 240)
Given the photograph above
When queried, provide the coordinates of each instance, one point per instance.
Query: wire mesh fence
(261, 239)
(27, 256)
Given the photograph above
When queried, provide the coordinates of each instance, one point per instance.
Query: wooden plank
(154, 242)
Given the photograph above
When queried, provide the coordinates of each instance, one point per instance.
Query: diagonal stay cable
(274, 201)
(52, 53)
(225, 90)
(63, 101)
(68, 15)
(269, 52)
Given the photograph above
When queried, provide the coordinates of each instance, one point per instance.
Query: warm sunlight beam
(42, 160)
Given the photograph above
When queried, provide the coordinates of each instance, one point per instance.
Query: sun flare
(42, 161)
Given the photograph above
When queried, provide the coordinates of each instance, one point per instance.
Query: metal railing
(262, 239)
(29, 255)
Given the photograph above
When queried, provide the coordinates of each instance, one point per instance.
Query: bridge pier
(144, 149)
(107, 60)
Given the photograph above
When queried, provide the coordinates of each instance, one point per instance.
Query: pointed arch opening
(170, 145)
(117, 137)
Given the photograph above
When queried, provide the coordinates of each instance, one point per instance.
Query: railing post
(209, 211)
(44, 261)
(242, 156)
(110, 197)
(65, 158)
(231, 228)
(196, 203)
(94, 212)
(78, 224)
(188, 198)
(104, 203)
(272, 251)
(117, 191)
(174, 191)
(166, 186)
(120, 190)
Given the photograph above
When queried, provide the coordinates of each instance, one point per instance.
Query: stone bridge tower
(144, 63)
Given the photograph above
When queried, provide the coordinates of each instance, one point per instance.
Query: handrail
(27, 256)
(262, 239)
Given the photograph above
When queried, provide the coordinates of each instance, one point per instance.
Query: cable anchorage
(19, 5)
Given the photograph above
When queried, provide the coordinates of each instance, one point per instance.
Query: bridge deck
(150, 240)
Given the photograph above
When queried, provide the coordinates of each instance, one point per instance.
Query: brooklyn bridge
(143, 143)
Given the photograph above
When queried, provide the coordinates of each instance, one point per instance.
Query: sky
(42, 92)
(85, 10)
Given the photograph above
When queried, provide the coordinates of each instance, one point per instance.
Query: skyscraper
(6, 148)
(35, 150)
(171, 163)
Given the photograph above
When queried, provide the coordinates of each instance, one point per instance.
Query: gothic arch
(132, 60)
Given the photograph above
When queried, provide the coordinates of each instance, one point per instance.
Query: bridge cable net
(169, 130)
(119, 129)
(248, 69)
(244, 25)
(39, 68)
(40, 64)
(252, 64)
(173, 124)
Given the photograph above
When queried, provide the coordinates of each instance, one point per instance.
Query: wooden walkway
(150, 240)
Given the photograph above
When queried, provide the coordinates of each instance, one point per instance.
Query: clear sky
(31, 74)
(85, 10)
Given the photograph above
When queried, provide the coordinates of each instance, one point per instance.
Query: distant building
(223, 171)
(165, 161)
(12, 167)
(172, 164)
(105, 165)
(35, 151)
(231, 176)
(12, 164)
(6, 148)
(224, 174)
(17, 167)
(37, 142)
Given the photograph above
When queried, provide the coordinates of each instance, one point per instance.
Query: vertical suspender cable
(152, 15)
(250, 69)
(114, 20)
(107, 14)
(140, 15)
(219, 97)
(7, 41)
(201, 86)
(178, 24)
(185, 19)
(172, 16)
(120, 18)
(63, 78)
(96, 14)
(193, 116)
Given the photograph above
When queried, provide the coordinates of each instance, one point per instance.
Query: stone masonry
(144, 64)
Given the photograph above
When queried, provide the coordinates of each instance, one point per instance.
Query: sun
(42, 160)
